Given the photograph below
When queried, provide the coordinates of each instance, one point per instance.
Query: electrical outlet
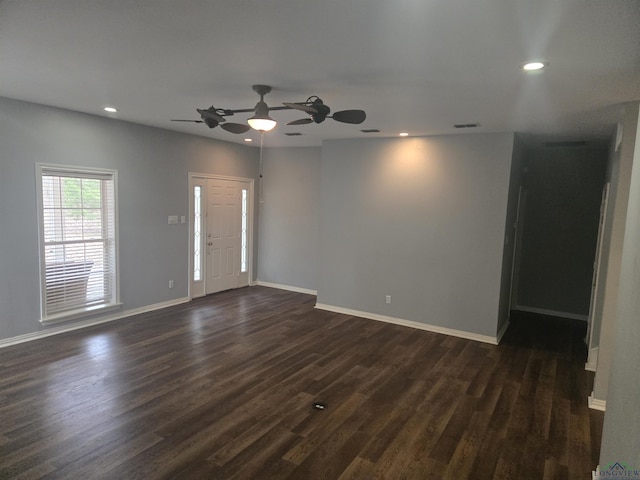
(388, 299)
(170, 283)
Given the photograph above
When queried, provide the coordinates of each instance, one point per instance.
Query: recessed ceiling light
(532, 66)
(404, 134)
(110, 109)
(248, 140)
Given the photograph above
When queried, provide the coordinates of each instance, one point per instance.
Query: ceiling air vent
(293, 134)
(370, 130)
(578, 143)
(466, 125)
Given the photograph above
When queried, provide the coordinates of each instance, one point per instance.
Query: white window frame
(113, 302)
(198, 233)
(244, 230)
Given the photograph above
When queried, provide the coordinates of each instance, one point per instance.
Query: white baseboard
(410, 323)
(596, 404)
(286, 287)
(88, 323)
(551, 313)
(592, 360)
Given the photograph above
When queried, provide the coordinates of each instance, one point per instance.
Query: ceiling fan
(212, 117)
(315, 107)
(261, 121)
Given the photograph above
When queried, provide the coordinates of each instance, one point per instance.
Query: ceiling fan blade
(350, 116)
(211, 114)
(235, 127)
(194, 121)
(301, 107)
(302, 121)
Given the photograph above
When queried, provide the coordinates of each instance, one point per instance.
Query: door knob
(209, 243)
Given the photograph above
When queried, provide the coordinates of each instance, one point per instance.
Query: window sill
(79, 313)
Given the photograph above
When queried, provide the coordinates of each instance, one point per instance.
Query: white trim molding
(592, 360)
(412, 324)
(597, 404)
(89, 323)
(552, 313)
(286, 287)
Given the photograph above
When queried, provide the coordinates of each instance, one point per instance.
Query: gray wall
(621, 166)
(621, 432)
(289, 217)
(420, 219)
(153, 166)
(560, 228)
(618, 195)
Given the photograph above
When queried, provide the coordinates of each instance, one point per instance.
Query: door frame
(592, 353)
(517, 247)
(194, 179)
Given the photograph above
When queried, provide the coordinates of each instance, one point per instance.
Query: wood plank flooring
(223, 387)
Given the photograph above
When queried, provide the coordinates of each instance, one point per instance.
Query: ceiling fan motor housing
(261, 109)
(322, 111)
(210, 122)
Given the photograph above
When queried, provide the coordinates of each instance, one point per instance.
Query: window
(243, 233)
(197, 233)
(78, 247)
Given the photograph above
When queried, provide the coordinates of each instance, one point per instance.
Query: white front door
(223, 235)
(221, 219)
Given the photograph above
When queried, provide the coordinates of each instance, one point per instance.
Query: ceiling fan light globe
(533, 66)
(262, 124)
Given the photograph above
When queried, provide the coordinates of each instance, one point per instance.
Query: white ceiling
(413, 65)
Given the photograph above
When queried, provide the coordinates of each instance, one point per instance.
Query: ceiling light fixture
(248, 140)
(533, 66)
(403, 134)
(261, 121)
(110, 109)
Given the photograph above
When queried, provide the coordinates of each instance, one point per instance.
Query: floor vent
(319, 405)
(466, 125)
(293, 134)
(370, 130)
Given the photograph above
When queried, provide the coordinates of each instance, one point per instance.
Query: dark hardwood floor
(223, 388)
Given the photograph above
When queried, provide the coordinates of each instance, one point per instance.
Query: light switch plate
(173, 220)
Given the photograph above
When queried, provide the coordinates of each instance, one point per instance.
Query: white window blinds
(78, 240)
